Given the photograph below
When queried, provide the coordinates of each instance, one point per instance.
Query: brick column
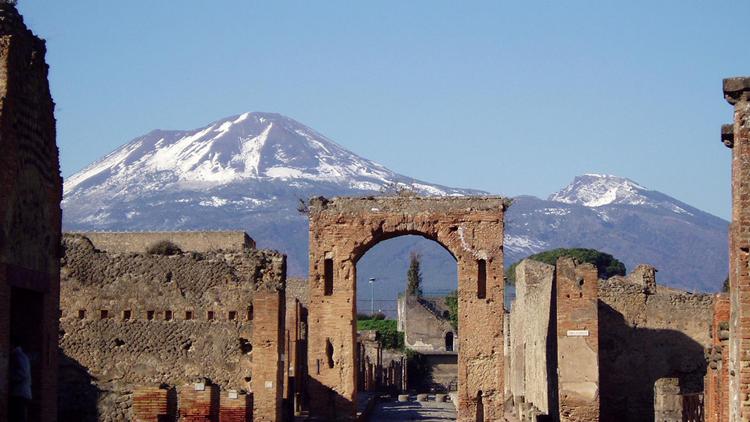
(150, 403)
(577, 341)
(268, 345)
(199, 403)
(235, 407)
(717, 378)
(737, 93)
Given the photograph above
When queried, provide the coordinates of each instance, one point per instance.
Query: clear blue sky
(512, 99)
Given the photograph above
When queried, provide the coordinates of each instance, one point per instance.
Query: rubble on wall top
(411, 203)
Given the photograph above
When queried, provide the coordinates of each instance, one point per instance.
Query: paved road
(413, 411)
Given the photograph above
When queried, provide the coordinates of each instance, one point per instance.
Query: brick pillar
(737, 93)
(149, 403)
(235, 407)
(268, 344)
(198, 402)
(716, 399)
(577, 341)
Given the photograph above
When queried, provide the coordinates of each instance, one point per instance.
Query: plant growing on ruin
(414, 275)
(388, 335)
(725, 286)
(607, 265)
(451, 301)
(164, 247)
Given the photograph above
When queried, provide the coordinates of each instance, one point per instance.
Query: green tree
(725, 286)
(606, 264)
(414, 275)
(451, 301)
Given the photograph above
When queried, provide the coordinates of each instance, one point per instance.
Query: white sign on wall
(578, 333)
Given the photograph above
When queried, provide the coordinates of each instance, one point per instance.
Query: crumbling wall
(648, 333)
(194, 241)
(531, 345)
(30, 216)
(136, 319)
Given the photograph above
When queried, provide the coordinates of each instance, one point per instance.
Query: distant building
(425, 322)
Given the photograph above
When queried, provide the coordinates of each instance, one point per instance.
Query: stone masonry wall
(131, 320)
(648, 333)
(30, 216)
(194, 241)
(737, 93)
(423, 323)
(343, 229)
(531, 345)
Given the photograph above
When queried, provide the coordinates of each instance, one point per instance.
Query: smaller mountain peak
(596, 190)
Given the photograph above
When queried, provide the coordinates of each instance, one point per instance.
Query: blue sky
(509, 98)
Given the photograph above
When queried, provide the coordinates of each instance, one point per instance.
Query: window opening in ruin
(150, 315)
(329, 352)
(81, 314)
(245, 346)
(328, 276)
(188, 315)
(167, 315)
(449, 341)
(126, 315)
(250, 313)
(104, 314)
(210, 315)
(481, 279)
(232, 315)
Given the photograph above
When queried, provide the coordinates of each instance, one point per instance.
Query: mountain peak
(597, 190)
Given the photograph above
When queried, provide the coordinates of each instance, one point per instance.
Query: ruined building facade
(622, 349)
(30, 194)
(150, 335)
(343, 229)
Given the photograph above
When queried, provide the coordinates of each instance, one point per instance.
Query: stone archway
(343, 229)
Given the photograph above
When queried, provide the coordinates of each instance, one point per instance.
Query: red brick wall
(577, 341)
(198, 405)
(237, 408)
(716, 399)
(268, 345)
(149, 403)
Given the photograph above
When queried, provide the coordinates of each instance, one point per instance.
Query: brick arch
(342, 230)
(362, 249)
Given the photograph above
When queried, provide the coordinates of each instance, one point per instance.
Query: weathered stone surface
(30, 194)
(343, 229)
(577, 341)
(193, 241)
(131, 319)
(737, 93)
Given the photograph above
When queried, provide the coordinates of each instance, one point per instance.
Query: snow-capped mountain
(621, 217)
(243, 172)
(249, 172)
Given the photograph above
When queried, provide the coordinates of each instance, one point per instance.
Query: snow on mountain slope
(249, 172)
(257, 146)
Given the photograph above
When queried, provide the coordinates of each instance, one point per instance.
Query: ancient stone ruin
(30, 195)
(343, 229)
(141, 323)
(647, 361)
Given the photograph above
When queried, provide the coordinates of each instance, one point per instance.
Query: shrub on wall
(606, 264)
(164, 247)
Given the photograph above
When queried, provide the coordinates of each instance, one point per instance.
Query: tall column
(268, 346)
(737, 93)
(577, 341)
